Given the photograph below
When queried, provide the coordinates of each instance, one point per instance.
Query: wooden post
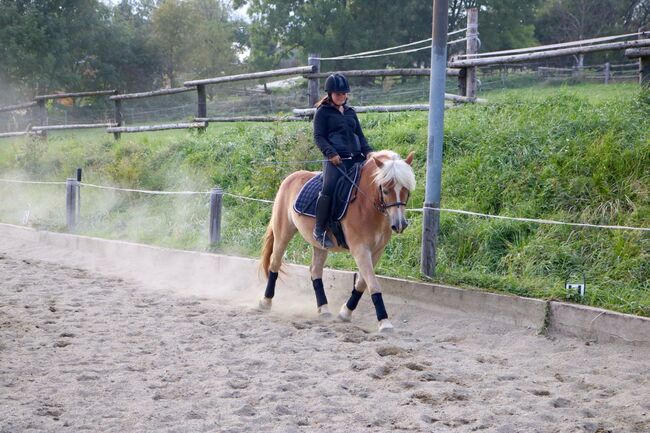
(41, 118)
(462, 82)
(216, 196)
(71, 186)
(118, 117)
(202, 110)
(608, 72)
(78, 209)
(644, 63)
(472, 48)
(312, 87)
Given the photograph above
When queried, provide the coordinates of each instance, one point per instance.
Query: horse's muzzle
(400, 226)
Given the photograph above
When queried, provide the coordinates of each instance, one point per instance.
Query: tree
(172, 26)
(335, 27)
(194, 38)
(570, 20)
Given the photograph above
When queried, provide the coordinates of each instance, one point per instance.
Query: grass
(573, 153)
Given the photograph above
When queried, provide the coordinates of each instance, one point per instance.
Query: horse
(383, 191)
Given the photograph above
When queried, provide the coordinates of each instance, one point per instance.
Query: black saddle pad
(305, 203)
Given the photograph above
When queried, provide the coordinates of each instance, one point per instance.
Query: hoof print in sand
(381, 371)
(389, 351)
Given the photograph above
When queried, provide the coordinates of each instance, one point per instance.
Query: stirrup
(323, 240)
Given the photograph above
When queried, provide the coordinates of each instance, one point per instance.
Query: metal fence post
(431, 216)
(71, 187)
(216, 205)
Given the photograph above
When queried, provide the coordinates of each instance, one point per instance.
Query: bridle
(382, 207)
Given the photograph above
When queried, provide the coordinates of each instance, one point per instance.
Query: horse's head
(395, 180)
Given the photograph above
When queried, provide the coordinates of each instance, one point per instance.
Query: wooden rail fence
(464, 69)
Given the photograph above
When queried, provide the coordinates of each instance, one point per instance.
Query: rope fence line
(366, 54)
(241, 197)
(145, 191)
(533, 220)
(559, 45)
(31, 182)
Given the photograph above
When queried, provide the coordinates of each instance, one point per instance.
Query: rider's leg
(323, 205)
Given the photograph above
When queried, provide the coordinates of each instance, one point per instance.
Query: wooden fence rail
(516, 58)
(159, 92)
(18, 106)
(465, 69)
(75, 95)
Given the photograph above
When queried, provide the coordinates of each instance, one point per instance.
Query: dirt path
(82, 351)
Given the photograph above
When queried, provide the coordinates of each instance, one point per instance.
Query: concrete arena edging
(556, 318)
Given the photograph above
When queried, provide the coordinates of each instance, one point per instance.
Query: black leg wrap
(354, 299)
(270, 285)
(321, 299)
(379, 306)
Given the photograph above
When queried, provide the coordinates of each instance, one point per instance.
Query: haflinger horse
(379, 209)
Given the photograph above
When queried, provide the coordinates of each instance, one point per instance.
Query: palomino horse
(384, 187)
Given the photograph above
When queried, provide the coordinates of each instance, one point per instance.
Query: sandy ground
(87, 351)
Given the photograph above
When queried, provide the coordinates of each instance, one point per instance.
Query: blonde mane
(395, 170)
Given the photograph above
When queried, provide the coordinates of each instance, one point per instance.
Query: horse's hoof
(385, 326)
(324, 311)
(265, 303)
(345, 314)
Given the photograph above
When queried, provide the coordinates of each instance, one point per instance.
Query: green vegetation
(578, 154)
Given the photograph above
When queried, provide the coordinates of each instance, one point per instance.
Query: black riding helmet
(337, 83)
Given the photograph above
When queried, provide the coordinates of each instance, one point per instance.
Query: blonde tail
(267, 249)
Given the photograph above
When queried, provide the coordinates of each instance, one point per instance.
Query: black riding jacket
(339, 133)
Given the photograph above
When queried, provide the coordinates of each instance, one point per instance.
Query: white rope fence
(31, 182)
(532, 220)
(241, 197)
(552, 46)
(145, 191)
(375, 53)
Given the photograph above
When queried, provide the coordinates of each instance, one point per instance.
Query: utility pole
(431, 216)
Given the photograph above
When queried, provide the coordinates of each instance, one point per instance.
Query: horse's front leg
(345, 314)
(366, 262)
(319, 256)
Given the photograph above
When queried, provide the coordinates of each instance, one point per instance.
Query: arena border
(553, 318)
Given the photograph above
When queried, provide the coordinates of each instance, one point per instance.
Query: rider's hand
(336, 160)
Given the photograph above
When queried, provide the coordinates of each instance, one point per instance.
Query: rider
(338, 134)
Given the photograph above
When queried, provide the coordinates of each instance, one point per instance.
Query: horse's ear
(378, 162)
(409, 159)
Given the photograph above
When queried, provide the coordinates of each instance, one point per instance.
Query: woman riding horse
(383, 190)
(338, 134)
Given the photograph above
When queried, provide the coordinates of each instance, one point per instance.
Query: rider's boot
(322, 216)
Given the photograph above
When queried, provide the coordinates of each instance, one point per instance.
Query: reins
(382, 207)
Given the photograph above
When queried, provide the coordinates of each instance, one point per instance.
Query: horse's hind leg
(319, 256)
(283, 231)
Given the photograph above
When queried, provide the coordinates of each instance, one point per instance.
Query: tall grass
(579, 154)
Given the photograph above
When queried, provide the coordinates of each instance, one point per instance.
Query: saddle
(344, 194)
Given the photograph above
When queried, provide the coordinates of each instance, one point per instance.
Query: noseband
(383, 206)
